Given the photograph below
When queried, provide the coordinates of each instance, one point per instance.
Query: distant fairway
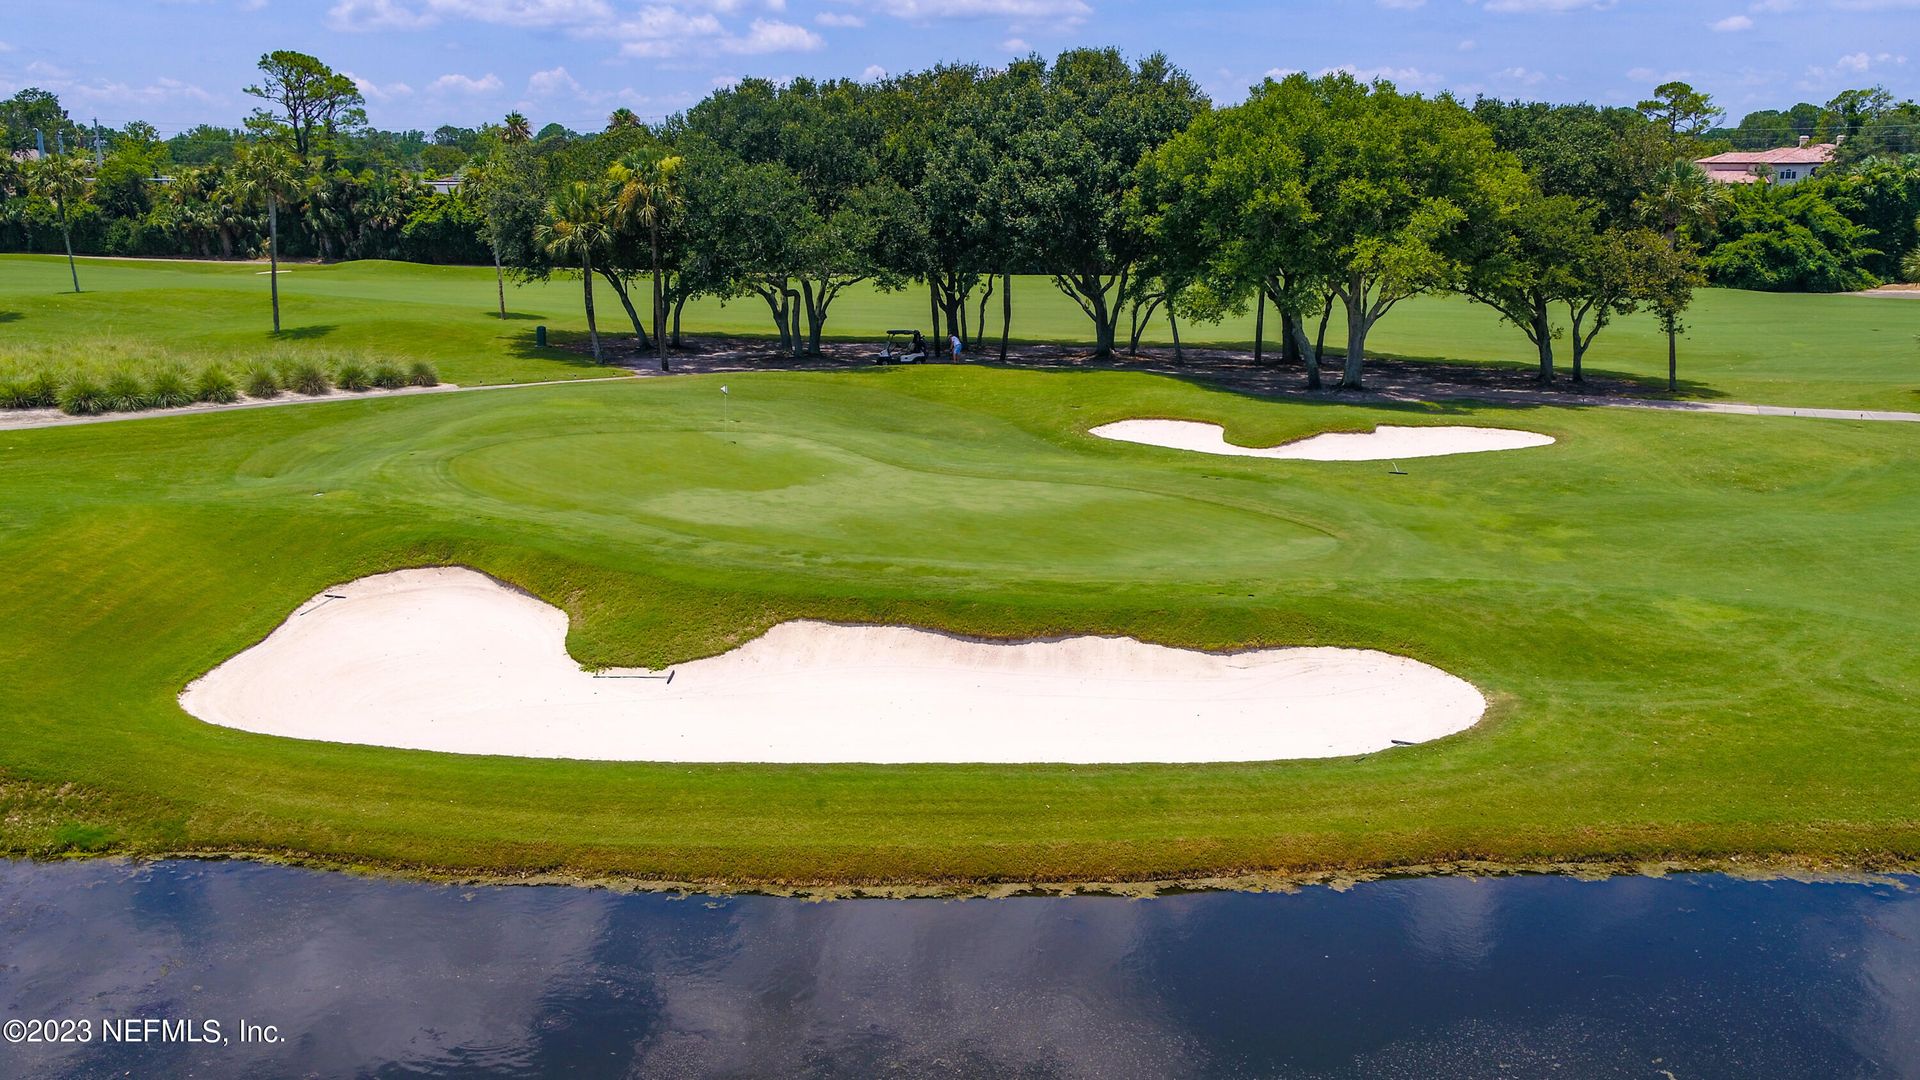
(1695, 631)
(1838, 351)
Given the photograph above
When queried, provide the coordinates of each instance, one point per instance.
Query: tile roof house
(1784, 165)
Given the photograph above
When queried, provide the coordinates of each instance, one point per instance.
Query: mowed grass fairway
(1696, 631)
(1820, 351)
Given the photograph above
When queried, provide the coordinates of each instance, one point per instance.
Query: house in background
(1782, 165)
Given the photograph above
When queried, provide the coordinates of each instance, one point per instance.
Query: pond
(284, 971)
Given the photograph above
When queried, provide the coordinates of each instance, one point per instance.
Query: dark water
(1689, 976)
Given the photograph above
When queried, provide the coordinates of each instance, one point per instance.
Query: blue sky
(421, 63)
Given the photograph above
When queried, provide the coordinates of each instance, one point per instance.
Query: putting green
(1689, 628)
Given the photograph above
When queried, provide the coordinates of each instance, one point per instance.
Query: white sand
(1385, 443)
(449, 659)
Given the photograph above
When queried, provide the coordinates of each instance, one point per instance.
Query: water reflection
(1697, 975)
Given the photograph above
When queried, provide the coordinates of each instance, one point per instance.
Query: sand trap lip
(449, 659)
(1387, 442)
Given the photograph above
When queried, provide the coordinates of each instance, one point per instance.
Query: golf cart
(901, 348)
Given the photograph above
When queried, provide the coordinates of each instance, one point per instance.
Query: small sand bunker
(449, 659)
(1385, 443)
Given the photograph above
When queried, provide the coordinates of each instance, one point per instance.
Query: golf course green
(1694, 630)
(1779, 349)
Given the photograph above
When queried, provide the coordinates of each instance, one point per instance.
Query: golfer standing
(954, 340)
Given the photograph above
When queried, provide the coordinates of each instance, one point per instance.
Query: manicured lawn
(1832, 351)
(1696, 630)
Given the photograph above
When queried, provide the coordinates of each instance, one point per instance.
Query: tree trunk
(273, 256)
(679, 304)
(67, 236)
(1543, 340)
(933, 310)
(1319, 344)
(659, 312)
(1006, 312)
(1356, 334)
(1290, 334)
(626, 301)
(1260, 327)
(1173, 323)
(980, 325)
(593, 327)
(499, 279)
(793, 320)
(1673, 363)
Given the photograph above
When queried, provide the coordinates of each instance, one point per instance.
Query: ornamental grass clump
(215, 386)
(352, 375)
(423, 374)
(261, 382)
(124, 392)
(37, 391)
(169, 389)
(82, 395)
(307, 377)
(388, 376)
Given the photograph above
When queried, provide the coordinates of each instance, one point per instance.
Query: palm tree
(517, 128)
(268, 173)
(63, 179)
(647, 193)
(576, 228)
(622, 117)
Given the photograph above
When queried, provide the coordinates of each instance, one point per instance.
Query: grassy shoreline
(1669, 681)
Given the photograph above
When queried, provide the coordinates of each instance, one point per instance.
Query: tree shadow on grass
(304, 333)
(10, 316)
(513, 316)
(570, 348)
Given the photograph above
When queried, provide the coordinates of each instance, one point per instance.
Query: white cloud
(771, 36)
(1853, 65)
(1521, 75)
(373, 91)
(465, 84)
(665, 31)
(1528, 7)
(873, 73)
(4, 47)
(1732, 23)
(840, 19)
(951, 9)
(1016, 45)
(1401, 5)
(555, 80)
(416, 14)
(1404, 76)
(1468, 45)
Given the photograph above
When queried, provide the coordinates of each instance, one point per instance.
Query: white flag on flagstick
(724, 390)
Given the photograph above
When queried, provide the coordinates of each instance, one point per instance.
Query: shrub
(123, 392)
(422, 374)
(37, 391)
(261, 382)
(216, 386)
(82, 396)
(352, 375)
(308, 378)
(169, 389)
(388, 376)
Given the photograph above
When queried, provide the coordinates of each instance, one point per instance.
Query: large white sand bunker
(1387, 442)
(449, 659)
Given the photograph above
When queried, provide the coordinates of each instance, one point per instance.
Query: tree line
(1117, 180)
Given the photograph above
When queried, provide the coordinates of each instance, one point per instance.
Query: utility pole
(39, 142)
(99, 151)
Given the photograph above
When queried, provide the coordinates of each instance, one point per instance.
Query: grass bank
(1692, 628)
